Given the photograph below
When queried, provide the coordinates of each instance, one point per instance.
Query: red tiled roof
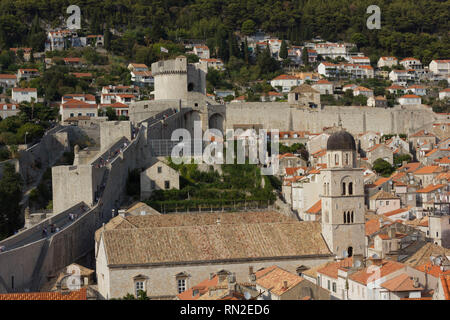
(428, 170)
(386, 267)
(430, 188)
(285, 77)
(316, 208)
(372, 226)
(8, 76)
(397, 211)
(24, 89)
(402, 282)
(331, 269)
(73, 295)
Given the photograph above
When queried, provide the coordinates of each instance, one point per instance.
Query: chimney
(285, 285)
(122, 213)
(232, 282)
(251, 275)
(415, 282)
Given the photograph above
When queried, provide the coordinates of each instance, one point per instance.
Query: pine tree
(305, 57)
(283, 50)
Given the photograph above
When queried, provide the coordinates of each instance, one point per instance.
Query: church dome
(341, 140)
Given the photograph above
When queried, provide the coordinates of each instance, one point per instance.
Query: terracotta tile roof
(428, 170)
(432, 269)
(410, 167)
(430, 188)
(382, 195)
(316, 208)
(8, 76)
(165, 245)
(139, 65)
(114, 105)
(429, 153)
(401, 283)
(397, 211)
(445, 281)
(386, 267)
(285, 77)
(24, 90)
(73, 295)
(381, 181)
(201, 287)
(331, 269)
(82, 74)
(422, 256)
(77, 104)
(410, 96)
(292, 171)
(274, 281)
(319, 153)
(72, 59)
(372, 226)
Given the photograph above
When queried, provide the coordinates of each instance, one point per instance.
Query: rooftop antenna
(339, 121)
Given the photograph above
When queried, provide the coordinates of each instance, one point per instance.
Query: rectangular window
(167, 185)
(334, 286)
(152, 185)
(159, 169)
(138, 285)
(181, 283)
(437, 234)
(329, 284)
(387, 203)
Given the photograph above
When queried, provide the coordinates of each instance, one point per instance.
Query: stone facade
(159, 176)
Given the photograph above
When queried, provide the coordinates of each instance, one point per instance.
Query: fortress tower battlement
(175, 78)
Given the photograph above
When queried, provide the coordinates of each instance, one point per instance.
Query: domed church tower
(343, 225)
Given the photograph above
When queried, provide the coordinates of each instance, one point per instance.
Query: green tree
(10, 196)
(248, 27)
(383, 167)
(283, 50)
(305, 56)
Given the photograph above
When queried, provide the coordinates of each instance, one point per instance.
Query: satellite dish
(247, 295)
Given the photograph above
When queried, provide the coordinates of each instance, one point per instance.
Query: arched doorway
(189, 120)
(350, 251)
(216, 121)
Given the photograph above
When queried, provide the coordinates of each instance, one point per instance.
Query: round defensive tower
(171, 78)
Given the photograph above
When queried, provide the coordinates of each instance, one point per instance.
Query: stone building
(343, 197)
(304, 95)
(158, 176)
(380, 151)
(153, 252)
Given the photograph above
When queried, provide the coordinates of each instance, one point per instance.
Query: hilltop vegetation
(409, 28)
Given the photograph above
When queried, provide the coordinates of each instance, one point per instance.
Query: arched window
(345, 217)
(343, 188)
(350, 188)
(325, 188)
(348, 216)
(352, 217)
(336, 159)
(346, 158)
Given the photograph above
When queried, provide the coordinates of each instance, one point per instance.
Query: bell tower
(343, 225)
